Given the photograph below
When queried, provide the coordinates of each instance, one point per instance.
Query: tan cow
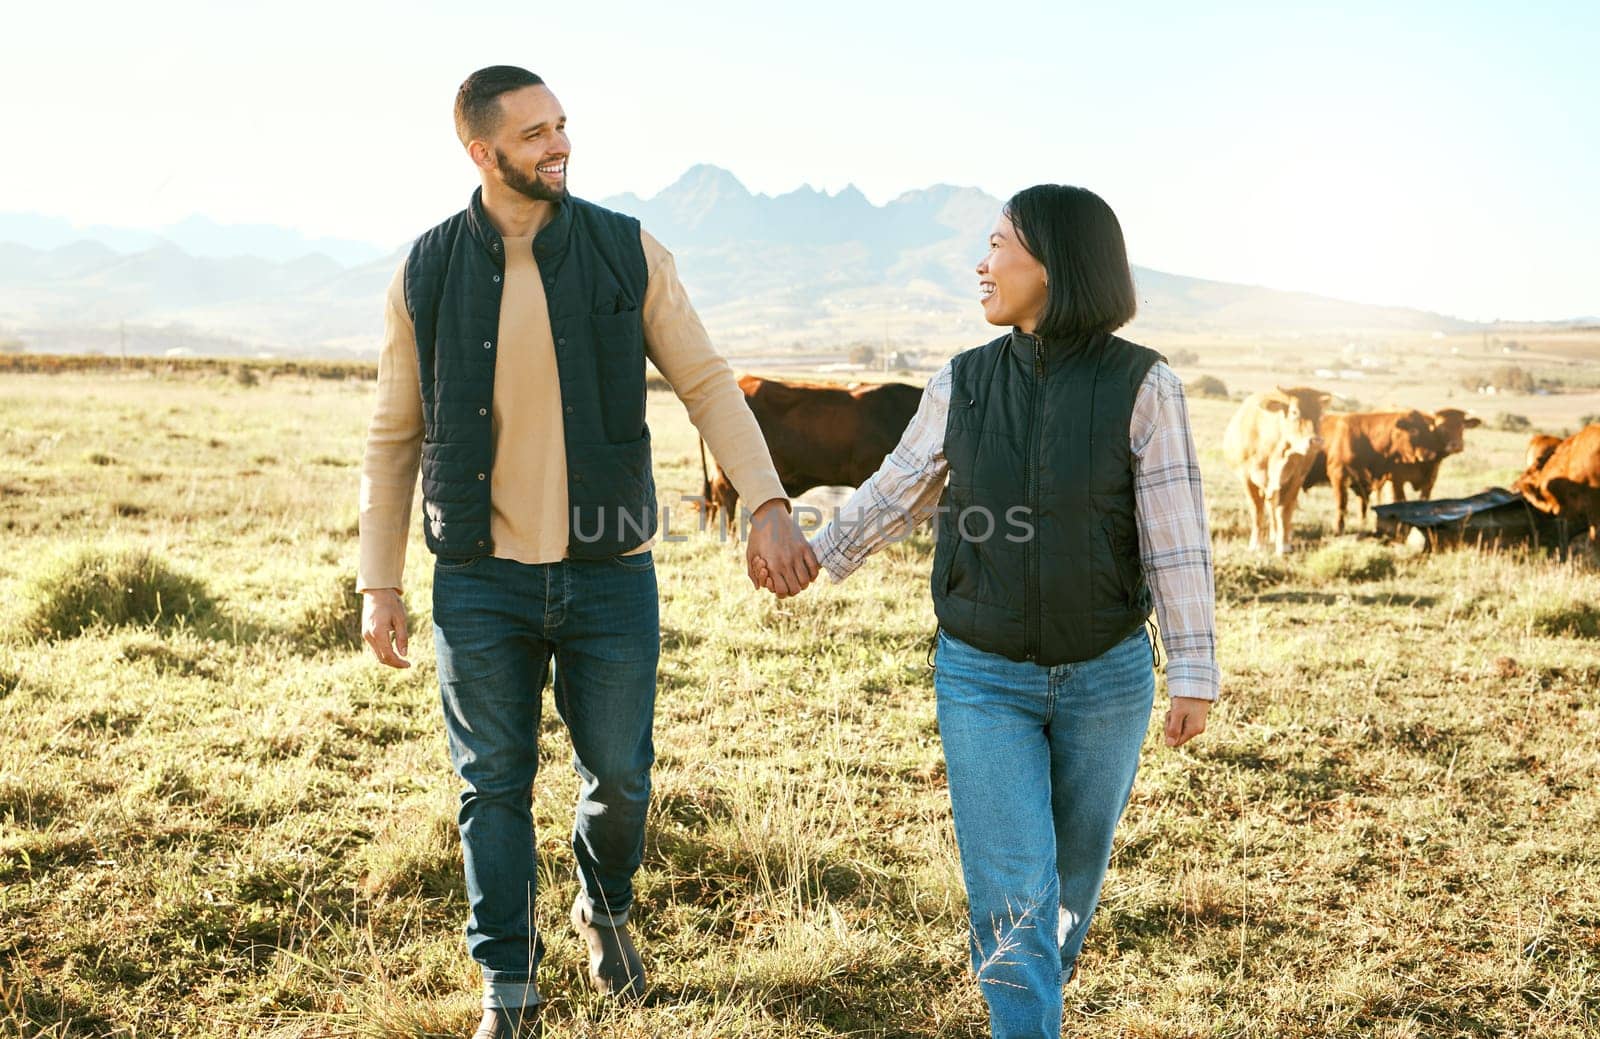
(1271, 442)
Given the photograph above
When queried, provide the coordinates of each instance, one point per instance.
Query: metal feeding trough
(1491, 518)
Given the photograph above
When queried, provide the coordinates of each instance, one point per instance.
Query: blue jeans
(1040, 763)
(497, 626)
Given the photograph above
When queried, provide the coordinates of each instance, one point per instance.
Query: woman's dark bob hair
(1077, 238)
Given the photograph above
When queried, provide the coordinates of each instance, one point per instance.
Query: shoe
(614, 964)
(510, 1023)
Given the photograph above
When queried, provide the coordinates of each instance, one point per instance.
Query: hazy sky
(1442, 155)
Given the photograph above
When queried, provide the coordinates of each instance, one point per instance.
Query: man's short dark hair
(1078, 239)
(478, 100)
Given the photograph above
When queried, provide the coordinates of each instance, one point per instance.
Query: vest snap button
(483, 411)
(561, 342)
(487, 345)
(497, 277)
(480, 544)
(480, 476)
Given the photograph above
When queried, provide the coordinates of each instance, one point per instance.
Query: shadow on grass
(674, 638)
(1155, 925)
(1346, 598)
(699, 846)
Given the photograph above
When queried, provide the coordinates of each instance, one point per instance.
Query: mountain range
(801, 271)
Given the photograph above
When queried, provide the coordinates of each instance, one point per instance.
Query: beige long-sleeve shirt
(528, 484)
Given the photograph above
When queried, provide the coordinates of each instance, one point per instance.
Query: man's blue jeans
(1040, 763)
(497, 626)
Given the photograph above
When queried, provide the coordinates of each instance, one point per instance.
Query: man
(512, 373)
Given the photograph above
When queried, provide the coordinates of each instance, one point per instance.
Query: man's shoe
(614, 964)
(510, 1023)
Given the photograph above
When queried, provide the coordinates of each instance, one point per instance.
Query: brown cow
(1446, 438)
(1270, 442)
(819, 435)
(1540, 447)
(1567, 484)
(1362, 451)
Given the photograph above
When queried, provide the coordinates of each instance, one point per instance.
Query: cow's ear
(1472, 422)
(1273, 404)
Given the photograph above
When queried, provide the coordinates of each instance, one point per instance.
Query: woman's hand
(1186, 719)
(778, 557)
(761, 575)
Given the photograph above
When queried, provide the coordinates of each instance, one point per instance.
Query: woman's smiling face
(1011, 283)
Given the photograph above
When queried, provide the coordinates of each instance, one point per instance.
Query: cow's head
(1301, 408)
(1451, 425)
(1540, 447)
(1420, 439)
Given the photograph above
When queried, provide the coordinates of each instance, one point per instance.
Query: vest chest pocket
(619, 368)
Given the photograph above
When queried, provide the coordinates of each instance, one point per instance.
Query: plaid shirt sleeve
(1174, 539)
(902, 493)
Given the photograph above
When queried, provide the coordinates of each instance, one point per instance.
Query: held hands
(778, 557)
(1186, 719)
(383, 620)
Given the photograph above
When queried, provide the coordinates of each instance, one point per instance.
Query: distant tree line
(1507, 378)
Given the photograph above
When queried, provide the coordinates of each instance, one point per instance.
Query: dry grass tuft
(330, 616)
(1351, 562)
(112, 588)
(1242, 574)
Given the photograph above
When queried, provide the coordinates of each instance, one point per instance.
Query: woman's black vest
(594, 274)
(1038, 551)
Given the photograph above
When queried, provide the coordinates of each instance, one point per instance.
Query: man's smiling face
(530, 144)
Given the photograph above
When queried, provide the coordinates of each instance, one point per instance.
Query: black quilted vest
(1038, 552)
(594, 274)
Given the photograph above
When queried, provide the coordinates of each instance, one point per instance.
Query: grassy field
(219, 818)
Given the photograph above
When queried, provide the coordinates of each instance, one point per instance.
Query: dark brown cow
(1362, 451)
(1567, 484)
(1270, 442)
(1448, 437)
(819, 435)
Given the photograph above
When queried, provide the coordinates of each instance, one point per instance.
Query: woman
(1073, 505)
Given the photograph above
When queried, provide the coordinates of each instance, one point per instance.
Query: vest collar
(1027, 348)
(550, 242)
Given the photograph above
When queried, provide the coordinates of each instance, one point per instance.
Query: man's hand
(383, 619)
(1186, 719)
(777, 556)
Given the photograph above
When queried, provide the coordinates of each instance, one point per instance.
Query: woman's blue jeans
(1040, 762)
(497, 626)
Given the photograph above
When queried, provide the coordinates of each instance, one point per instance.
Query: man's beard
(530, 187)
